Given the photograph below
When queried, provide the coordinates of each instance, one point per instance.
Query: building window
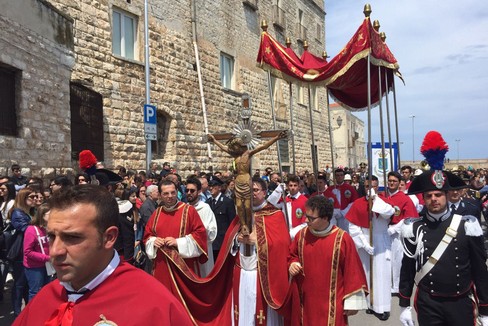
(314, 98)
(300, 95)
(284, 151)
(301, 29)
(227, 70)
(9, 97)
(86, 121)
(124, 34)
(158, 147)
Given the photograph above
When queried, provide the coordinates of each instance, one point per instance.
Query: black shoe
(384, 316)
(370, 311)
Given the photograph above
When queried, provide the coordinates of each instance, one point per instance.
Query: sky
(442, 50)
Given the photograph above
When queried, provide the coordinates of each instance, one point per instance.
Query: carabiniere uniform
(457, 278)
(456, 271)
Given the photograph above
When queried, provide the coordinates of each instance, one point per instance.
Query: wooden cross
(261, 317)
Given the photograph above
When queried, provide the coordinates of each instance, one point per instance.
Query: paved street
(6, 315)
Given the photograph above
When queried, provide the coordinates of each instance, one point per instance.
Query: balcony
(253, 4)
(279, 17)
(301, 32)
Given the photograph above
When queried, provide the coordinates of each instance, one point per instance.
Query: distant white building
(348, 137)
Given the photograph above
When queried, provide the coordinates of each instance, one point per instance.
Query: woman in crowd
(7, 197)
(20, 218)
(35, 256)
(81, 179)
(141, 196)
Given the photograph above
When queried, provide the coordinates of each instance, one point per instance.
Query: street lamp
(457, 143)
(339, 121)
(413, 138)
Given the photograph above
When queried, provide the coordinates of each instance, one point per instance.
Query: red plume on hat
(434, 148)
(88, 162)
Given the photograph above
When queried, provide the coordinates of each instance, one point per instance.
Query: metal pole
(199, 72)
(370, 174)
(396, 122)
(382, 133)
(148, 81)
(292, 130)
(271, 99)
(413, 138)
(388, 122)
(331, 137)
(314, 154)
(283, 195)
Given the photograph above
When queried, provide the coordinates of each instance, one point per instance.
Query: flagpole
(314, 152)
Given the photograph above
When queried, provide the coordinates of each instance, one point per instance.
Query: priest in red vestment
(324, 262)
(177, 229)
(260, 277)
(93, 286)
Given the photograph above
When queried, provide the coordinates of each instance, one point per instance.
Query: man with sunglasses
(193, 191)
(326, 266)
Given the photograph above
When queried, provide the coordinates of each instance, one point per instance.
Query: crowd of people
(164, 220)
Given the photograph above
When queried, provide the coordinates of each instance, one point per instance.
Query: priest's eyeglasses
(311, 218)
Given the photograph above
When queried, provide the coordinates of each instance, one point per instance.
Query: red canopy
(345, 75)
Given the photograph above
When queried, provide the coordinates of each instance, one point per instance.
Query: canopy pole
(283, 195)
(396, 121)
(292, 128)
(331, 137)
(370, 174)
(392, 166)
(314, 151)
(382, 132)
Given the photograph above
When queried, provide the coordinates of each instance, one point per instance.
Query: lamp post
(413, 138)
(457, 145)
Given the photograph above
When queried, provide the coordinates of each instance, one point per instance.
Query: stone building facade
(349, 145)
(107, 84)
(36, 58)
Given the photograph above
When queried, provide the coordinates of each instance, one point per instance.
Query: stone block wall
(44, 70)
(222, 26)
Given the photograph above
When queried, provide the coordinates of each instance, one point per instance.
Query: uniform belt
(451, 233)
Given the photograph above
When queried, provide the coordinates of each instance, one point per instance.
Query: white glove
(406, 316)
(391, 230)
(366, 246)
(371, 193)
(369, 249)
(484, 320)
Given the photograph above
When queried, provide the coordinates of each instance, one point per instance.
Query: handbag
(140, 257)
(15, 247)
(49, 267)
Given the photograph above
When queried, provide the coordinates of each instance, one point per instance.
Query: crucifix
(242, 144)
(261, 317)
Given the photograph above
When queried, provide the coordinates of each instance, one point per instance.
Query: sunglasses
(191, 191)
(81, 179)
(32, 196)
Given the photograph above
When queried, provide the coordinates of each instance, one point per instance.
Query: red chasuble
(297, 209)
(358, 214)
(348, 194)
(332, 272)
(404, 207)
(127, 297)
(273, 241)
(178, 223)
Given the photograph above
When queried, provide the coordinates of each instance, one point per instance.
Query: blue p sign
(149, 114)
